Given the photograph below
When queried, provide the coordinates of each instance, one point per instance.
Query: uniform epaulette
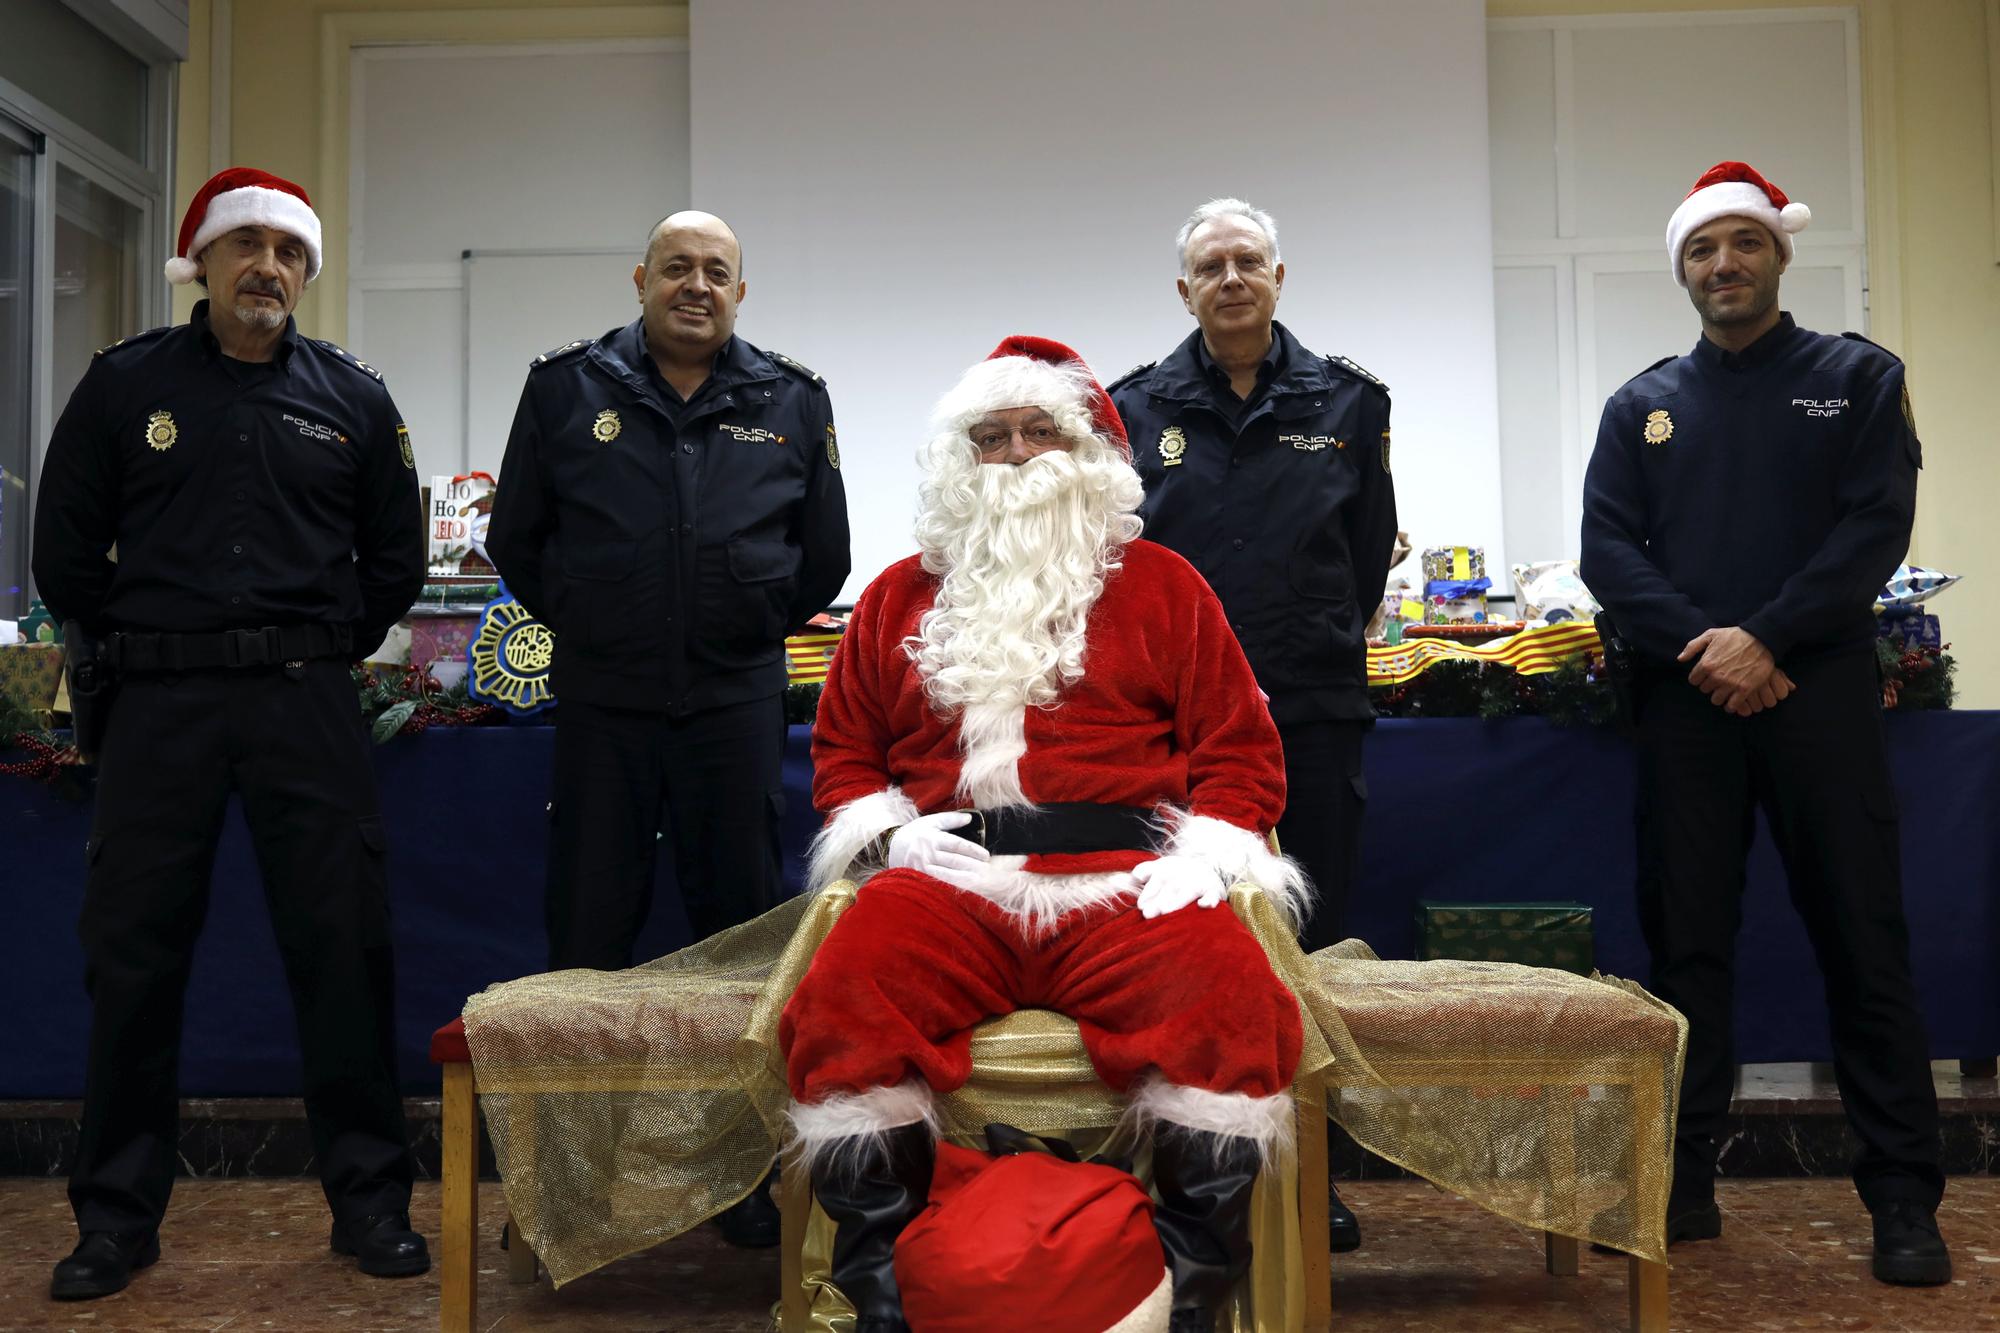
(566, 350)
(1345, 364)
(1132, 374)
(134, 340)
(1665, 360)
(1862, 338)
(803, 372)
(347, 358)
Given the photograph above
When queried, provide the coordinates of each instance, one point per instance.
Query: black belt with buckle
(274, 645)
(1062, 828)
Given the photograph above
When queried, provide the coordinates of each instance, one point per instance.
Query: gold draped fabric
(627, 1107)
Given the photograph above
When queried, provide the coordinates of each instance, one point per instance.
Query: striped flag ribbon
(1531, 652)
(807, 656)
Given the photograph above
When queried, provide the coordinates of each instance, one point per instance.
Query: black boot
(101, 1263)
(1343, 1227)
(1908, 1249)
(752, 1222)
(1204, 1183)
(871, 1196)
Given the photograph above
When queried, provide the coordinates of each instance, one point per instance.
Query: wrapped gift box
(1467, 610)
(1536, 934)
(29, 674)
(1910, 629)
(1455, 563)
(435, 636)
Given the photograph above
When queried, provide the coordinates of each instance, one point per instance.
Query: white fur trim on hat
(1152, 1315)
(1731, 199)
(251, 206)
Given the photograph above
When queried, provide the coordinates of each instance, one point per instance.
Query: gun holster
(1621, 669)
(92, 684)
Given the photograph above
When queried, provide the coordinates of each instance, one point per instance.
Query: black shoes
(1697, 1222)
(1343, 1228)
(1908, 1249)
(753, 1222)
(384, 1245)
(101, 1263)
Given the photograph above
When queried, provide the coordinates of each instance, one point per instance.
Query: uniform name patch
(1820, 407)
(1311, 443)
(751, 434)
(314, 430)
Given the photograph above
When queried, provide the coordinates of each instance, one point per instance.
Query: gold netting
(627, 1107)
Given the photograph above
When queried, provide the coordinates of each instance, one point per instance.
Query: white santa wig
(1021, 552)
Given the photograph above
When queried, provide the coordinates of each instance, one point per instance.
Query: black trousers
(1817, 767)
(1325, 799)
(710, 782)
(290, 743)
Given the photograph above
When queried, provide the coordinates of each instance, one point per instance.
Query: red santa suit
(1182, 1010)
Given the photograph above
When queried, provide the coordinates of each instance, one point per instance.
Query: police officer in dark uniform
(260, 494)
(1743, 506)
(671, 506)
(1267, 466)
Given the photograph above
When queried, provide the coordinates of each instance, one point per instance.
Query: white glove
(923, 844)
(1172, 882)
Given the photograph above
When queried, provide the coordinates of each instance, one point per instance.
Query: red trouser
(897, 987)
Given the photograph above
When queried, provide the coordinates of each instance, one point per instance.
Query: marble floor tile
(1794, 1255)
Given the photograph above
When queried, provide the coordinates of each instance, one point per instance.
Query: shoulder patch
(347, 358)
(1353, 369)
(1872, 343)
(1130, 375)
(134, 340)
(803, 372)
(558, 353)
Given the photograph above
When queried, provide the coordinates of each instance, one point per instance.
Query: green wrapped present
(1537, 934)
(38, 626)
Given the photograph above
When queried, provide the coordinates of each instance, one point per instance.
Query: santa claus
(1043, 749)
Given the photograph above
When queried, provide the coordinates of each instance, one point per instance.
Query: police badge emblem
(1173, 447)
(605, 429)
(1659, 426)
(832, 448)
(1385, 450)
(509, 658)
(161, 432)
(403, 440)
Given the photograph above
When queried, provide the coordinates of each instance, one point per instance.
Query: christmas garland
(408, 701)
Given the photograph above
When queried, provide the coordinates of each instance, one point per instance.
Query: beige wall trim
(339, 34)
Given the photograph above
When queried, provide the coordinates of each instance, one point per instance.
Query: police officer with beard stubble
(1743, 506)
(231, 509)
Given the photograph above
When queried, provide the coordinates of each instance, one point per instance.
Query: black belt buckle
(976, 830)
(251, 647)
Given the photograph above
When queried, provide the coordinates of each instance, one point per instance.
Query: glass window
(17, 166)
(96, 276)
(55, 56)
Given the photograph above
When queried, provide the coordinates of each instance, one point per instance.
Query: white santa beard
(1024, 559)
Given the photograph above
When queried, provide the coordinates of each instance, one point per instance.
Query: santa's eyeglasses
(1038, 435)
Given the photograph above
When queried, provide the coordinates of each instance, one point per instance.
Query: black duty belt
(273, 645)
(1063, 827)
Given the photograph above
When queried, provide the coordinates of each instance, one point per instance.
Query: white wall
(914, 180)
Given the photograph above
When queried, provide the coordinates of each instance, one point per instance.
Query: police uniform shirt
(1771, 489)
(671, 544)
(238, 494)
(1284, 503)
(1225, 392)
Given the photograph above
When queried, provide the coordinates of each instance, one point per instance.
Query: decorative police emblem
(1659, 426)
(403, 441)
(1385, 449)
(161, 432)
(1173, 447)
(1909, 413)
(832, 448)
(605, 429)
(509, 658)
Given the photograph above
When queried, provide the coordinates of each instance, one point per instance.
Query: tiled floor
(248, 1255)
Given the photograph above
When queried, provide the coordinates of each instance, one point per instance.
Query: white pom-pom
(180, 272)
(1794, 216)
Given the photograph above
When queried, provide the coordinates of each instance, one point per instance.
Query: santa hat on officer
(1030, 1241)
(244, 197)
(1734, 189)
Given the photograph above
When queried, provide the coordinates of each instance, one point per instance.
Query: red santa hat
(1733, 189)
(1025, 371)
(1030, 1241)
(244, 197)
